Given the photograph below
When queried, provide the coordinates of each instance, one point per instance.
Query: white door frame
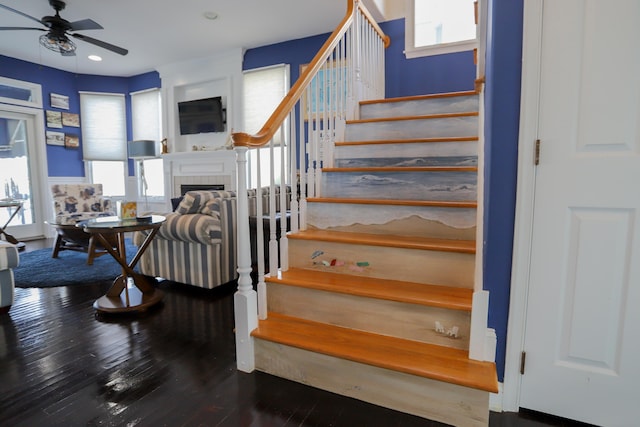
(41, 173)
(521, 261)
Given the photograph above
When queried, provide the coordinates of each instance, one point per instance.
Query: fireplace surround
(205, 169)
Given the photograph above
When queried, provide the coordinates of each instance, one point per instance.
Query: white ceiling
(158, 32)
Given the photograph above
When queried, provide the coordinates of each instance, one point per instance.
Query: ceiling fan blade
(105, 45)
(22, 28)
(20, 13)
(85, 24)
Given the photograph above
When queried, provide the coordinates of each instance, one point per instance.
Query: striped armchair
(9, 259)
(197, 243)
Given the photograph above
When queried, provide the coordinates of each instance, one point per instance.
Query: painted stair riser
(420, 221)
(435, 400)
(398, 185)
(408, 265)
(456, 153)
(434, 325)
(417, 128)
(420, 107)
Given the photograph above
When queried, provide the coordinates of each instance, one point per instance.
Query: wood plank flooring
(173, 366)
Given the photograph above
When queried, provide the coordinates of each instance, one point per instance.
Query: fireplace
(200, 187)
(199, 170)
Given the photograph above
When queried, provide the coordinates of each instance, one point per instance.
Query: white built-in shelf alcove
(218, 75)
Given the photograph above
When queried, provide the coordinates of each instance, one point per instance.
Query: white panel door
(582, 335)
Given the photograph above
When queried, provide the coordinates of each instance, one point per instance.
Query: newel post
(245, 299)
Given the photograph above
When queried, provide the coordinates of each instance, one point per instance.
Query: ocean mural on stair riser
(456, 104)
(403, 162)
(456, 153)
(462, 126)
(401, 185)
(424, 221)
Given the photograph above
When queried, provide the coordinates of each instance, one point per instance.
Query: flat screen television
(201, 116)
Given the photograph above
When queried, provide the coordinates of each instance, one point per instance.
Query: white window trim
(411, 51)
(34, 88)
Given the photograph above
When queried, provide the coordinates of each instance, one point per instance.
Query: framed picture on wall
(71, 141)
(71, 119)
(54, 119)
(59, 101)
(55, 138)
(324, 88)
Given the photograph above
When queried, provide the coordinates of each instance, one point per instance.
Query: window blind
(145, 115)
(104, 134)
(264, 88)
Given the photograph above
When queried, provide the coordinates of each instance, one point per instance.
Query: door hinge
(536, 160)
(523, 357)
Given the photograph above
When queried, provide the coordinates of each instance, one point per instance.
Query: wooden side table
(131, 291)
(9, 204)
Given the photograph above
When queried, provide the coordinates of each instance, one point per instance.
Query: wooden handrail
(264, 135)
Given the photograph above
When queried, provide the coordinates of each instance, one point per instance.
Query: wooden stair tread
(391, 290)
(409, 141)
(407, 242)
(423, 117)
(411, 357)
(424, 203)
(406, 169)
(420, 97)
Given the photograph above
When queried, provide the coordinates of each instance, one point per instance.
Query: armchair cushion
(76, 202)
(196, 228)
(195, 201)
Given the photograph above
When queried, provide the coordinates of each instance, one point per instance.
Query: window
(22, 93)
(434, 27)
(264, 88)
(104, 140)
(146, 123)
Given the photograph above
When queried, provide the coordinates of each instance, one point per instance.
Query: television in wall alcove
(201, 116)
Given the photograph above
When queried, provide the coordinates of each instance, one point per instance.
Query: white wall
(218, 75)
(386, 10)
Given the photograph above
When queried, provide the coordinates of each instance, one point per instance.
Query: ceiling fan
(59, 30)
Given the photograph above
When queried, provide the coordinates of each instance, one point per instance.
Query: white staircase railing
(348, 68)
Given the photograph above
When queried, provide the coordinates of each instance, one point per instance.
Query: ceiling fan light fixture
(57, 44)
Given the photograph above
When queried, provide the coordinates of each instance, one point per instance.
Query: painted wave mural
(336, 215)
(402, 185)
(404, 162)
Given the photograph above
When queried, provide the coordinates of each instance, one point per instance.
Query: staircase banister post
(245, 299)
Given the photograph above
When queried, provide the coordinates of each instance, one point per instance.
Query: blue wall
(404, 77)
(61, 161)
(502, 117)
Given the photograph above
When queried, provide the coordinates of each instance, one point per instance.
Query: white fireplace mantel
(199, 167)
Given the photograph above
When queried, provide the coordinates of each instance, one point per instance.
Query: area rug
(38, 270)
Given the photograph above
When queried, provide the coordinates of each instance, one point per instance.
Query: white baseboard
(495, 400)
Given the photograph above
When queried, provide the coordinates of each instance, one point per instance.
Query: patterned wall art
(54, 119)
(55, 138)
(71, 119)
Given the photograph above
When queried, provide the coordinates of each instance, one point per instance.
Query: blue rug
(38, 270)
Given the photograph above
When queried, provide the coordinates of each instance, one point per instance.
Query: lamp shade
(142, 149)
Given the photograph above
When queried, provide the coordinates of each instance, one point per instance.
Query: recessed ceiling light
(95, 58)
(210, 15)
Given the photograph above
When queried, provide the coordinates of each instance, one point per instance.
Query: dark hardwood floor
(60, 365)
